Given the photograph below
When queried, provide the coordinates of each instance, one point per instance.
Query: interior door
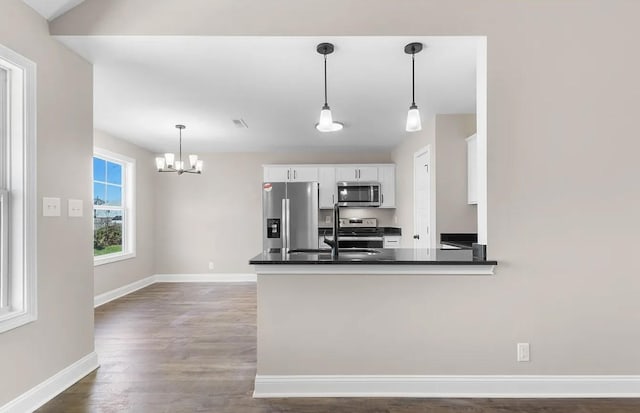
(422, 199)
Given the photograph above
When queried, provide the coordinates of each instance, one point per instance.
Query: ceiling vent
(240, 123)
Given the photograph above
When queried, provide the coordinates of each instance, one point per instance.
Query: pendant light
(168, 163)
(326, 123)
(414, 123)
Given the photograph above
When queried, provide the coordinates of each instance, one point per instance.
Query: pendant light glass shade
(325, 118)
(414, 123)
(160, 163)
(326, 123)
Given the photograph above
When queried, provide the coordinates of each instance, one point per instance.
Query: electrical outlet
(211, 265)
(523, 352)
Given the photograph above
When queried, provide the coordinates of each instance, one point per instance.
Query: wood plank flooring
(192, 348)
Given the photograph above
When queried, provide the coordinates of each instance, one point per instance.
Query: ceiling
(50, 9)
(143, 86)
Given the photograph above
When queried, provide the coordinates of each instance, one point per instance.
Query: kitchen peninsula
(345, 311)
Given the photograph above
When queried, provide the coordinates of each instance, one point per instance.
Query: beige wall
(402, 156)
(562, 167)
(217, 216)
(454, 214)
(117, 274)
(63, 332)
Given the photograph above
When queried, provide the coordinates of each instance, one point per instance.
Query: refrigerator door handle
(288, 212)
(284, 223)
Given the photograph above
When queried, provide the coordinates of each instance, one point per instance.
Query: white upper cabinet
(287, 173)
(327, 186)
(387, 178)
(356, 173)
(276, 173)
(304, 173)
(368, 173)
(472, 169)
(328, 176)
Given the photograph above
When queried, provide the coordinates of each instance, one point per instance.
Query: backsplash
(386, 217)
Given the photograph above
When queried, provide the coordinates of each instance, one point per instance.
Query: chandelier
(168, 163)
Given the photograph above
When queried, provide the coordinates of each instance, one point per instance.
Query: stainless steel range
(360, 233)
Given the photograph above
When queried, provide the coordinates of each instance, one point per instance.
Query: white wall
(454, 213)
(63, 332)
(402, 156)
(562, 166)
(117, 274)
(217, 216)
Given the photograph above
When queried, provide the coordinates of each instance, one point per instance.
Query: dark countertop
(462, 245)
(388, 231)
(458, 239)
(387, 256)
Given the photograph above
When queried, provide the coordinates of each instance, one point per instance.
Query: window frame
(128, 206)
(18, 178)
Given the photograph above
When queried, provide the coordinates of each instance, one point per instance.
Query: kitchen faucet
(336, 224)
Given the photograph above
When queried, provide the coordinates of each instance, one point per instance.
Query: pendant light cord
(413, 79)
(325, 80)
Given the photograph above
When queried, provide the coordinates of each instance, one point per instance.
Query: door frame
(432, 194)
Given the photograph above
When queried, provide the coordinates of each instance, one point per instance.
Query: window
(113, 207)
(17, 190)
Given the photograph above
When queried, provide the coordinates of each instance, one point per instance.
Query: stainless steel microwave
(358, 194)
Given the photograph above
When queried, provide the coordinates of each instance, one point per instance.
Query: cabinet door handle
(355, 174)
(294, 174)
(382, 198)
(288, 174)
(333, 198)
(359, 174)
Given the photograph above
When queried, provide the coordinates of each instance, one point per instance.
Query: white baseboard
(187, 278)
(447, 386)
(104, 298)
(54, 385)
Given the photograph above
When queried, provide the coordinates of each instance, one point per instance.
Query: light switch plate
(75, 207)
(50, 207)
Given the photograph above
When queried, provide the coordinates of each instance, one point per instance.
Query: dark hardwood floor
(192, 348)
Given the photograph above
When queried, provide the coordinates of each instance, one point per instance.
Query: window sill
(14, 319)
(113, 258)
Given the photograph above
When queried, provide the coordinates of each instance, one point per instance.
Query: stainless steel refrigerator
(290, 215)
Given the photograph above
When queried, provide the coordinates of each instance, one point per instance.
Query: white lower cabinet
(392, 241)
